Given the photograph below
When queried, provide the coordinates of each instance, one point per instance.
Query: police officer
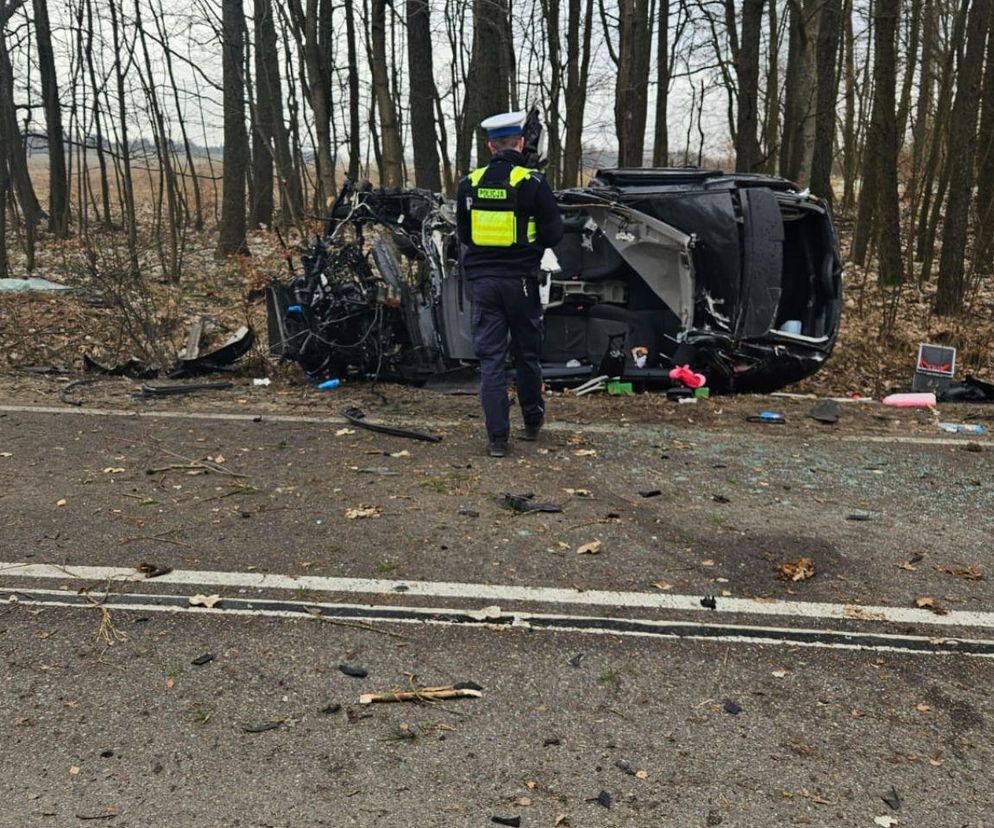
(506, 217)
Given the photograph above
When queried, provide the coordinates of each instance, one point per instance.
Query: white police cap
(507, 123)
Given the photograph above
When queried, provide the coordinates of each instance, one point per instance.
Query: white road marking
(495, 593)
(695, 630)
(604, 428)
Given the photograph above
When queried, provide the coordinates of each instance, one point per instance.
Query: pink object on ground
(684, 374)
(910, 400)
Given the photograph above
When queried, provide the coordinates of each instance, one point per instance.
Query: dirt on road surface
(727, 623)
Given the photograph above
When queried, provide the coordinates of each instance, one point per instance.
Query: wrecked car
(737, 275)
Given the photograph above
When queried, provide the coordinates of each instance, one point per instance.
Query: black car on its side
(737, 275)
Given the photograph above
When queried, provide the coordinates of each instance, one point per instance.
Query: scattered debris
(827, 412)
(353, 672)
(524, 503)
(512, 821)
(201, 660)
(208, 601)
(885, 821)
(361, 512)
(720, 498)
(383, 471)
(134, 368)
(892, 800)
(731, 707)
(330, 709)
(591, 548)
(860, 515)
(930, 604)
(450, 691)
(178, 388)
(262, 382)
(151, 570)
(32, 283)
(650, 493)
(910, 400)
(579, 492)
(768, 418)
(576, 660)
(190, 362)
(262, 727)
(709, 602)
(471, 513)
(970, 573)
(603, 799)
(962, 428)
(357, 417)
(663, 585)
(799, 570)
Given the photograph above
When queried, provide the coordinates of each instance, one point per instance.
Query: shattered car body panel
(738, 275)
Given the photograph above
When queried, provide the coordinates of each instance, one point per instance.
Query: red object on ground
(684, 374)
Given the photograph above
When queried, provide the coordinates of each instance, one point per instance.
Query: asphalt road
(603, 676)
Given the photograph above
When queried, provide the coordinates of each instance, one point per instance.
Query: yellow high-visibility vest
(493, 213)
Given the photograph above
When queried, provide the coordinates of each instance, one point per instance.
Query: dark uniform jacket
(535, 200)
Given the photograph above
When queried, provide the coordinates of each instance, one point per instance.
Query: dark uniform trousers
(503, 305)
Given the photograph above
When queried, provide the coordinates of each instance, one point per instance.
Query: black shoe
(532, 430)
(498, 448)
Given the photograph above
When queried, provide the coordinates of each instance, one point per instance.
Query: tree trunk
(799, 88)
(984, 243)
(355, 148)
(771, 125)
(58, 184)
(885, 144)
(13, 143)
(264, 59)
(487, 82)
(747, 154)
(631, 100)
(231, 239)
(422, 94)
(850, 166)
(661, 137)
(961, 159)
(550, 10)
(124, 144)
(577, 67)
(393, 173)
(826, 100)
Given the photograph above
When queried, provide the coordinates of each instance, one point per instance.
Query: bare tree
(423, 94)
(632, 57)
(231, 237)
(577, 73)
(826, 99)
(745, 53)
(58, 183)
(393, 152)
(961, 160)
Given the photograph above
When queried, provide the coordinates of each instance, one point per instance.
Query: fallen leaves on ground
(930, 604)
(968, 573)
(663, 585)
(799, 570)
(591, 548)
(921, 707)
(361, 512)
(208, 601)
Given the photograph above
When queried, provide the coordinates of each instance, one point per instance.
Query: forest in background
(113, 113)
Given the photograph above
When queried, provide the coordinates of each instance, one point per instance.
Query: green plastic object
(702, 392)
(620, 389)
